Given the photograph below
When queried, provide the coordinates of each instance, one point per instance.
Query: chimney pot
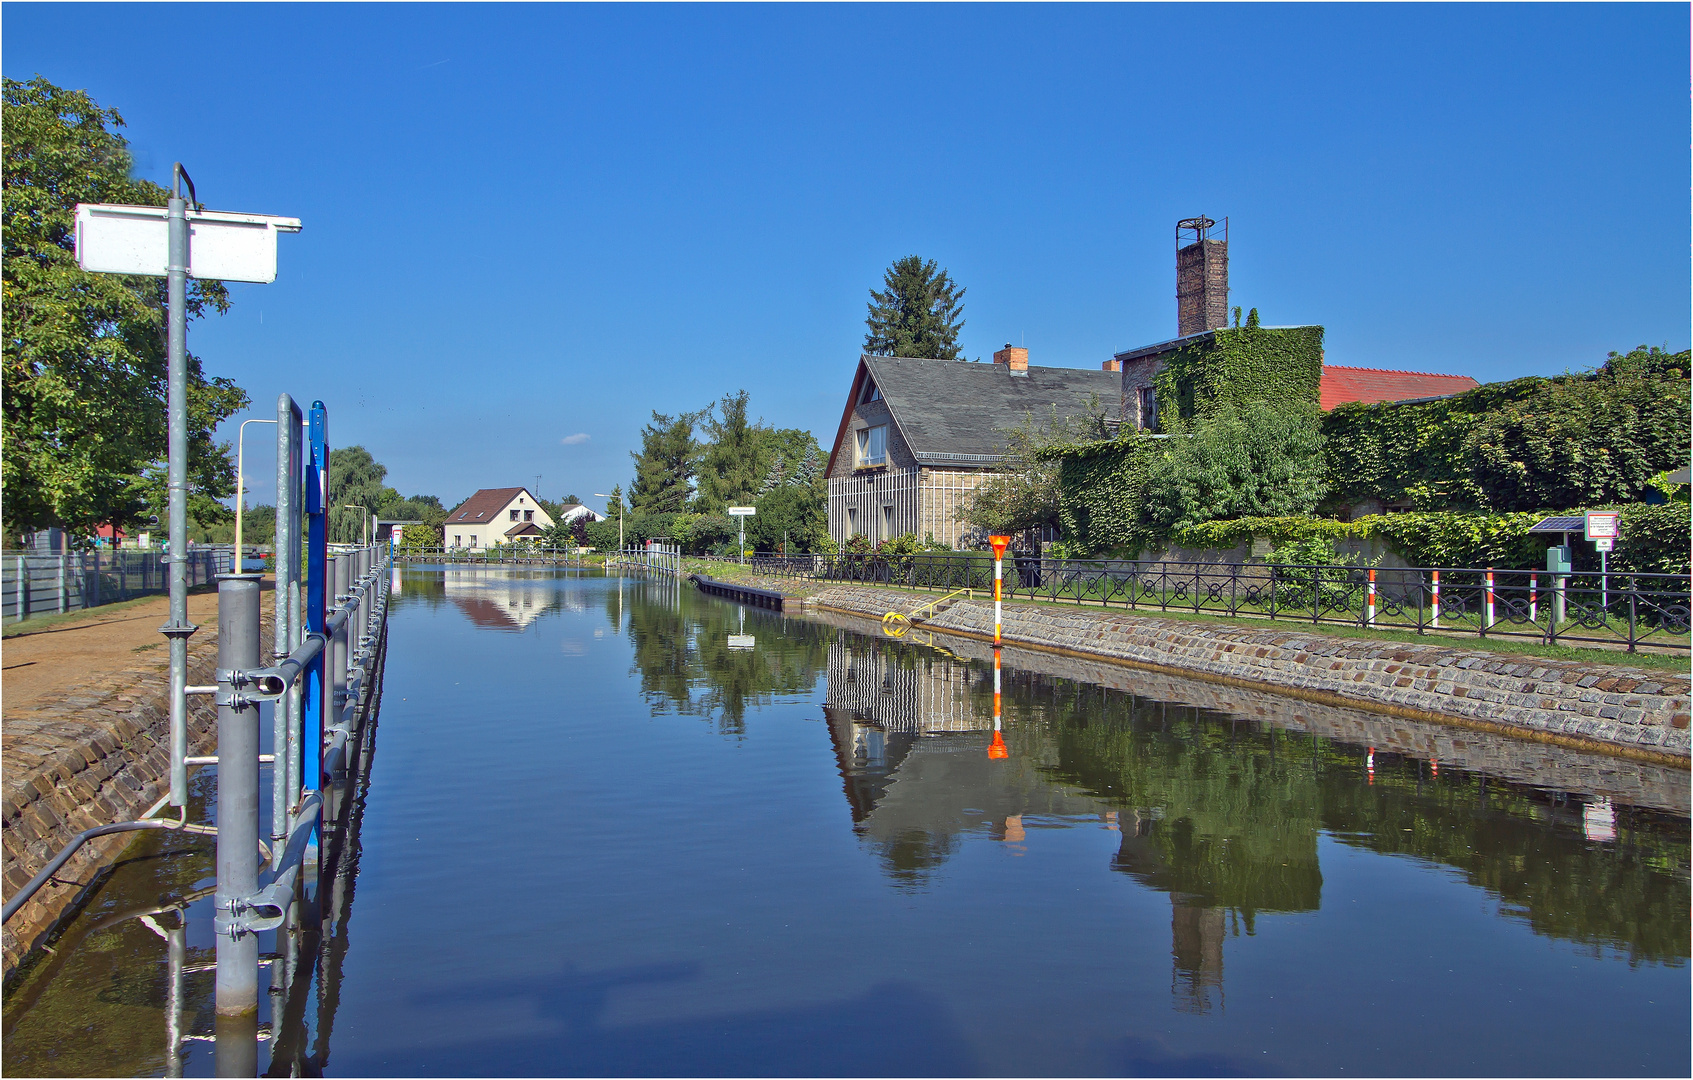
(1112, 365)
(1017, 359)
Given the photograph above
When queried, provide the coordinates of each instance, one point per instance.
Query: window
(852, 521)
(472, 539)
(873, 446)
(529, 515)
(1148, 408)
(514, 515)
(888, 522)
(870, 394)
(458, 541)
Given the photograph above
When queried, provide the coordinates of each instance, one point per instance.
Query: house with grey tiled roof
(494, 516)
(918, 436)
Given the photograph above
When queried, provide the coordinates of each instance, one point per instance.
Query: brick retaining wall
(98, 755)
(1617, 709)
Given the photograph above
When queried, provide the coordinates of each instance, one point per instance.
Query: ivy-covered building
(918, 436)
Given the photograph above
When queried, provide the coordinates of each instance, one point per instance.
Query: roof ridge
(1395, 371)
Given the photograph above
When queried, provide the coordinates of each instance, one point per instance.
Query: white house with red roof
(495, 516)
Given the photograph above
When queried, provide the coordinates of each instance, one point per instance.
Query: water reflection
(851, 795)
(1224, 814)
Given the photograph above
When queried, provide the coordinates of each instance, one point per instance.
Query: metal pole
(237, 802)
(178, 629)
(283, 783)
(338, 657)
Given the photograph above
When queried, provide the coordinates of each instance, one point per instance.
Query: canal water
(614, 827)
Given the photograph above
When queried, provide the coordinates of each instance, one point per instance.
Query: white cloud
(576, 439)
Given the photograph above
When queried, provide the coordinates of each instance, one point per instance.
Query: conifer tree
(666, 464)
(919, 313)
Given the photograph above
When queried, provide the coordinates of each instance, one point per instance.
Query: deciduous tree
(85, 354)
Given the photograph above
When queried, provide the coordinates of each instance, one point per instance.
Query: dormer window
(873, 446)
(871, 393)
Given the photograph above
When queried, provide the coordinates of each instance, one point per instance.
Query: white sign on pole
(1604, 543)
(1603, 525)
(113, 239)
(742, 511)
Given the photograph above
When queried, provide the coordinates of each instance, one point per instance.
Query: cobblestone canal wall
(1637, 713)
(96, 755)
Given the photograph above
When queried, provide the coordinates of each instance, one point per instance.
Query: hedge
(1655, 539)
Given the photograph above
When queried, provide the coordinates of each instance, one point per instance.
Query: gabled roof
(524, 528)
(954, 412)
(1368, 385)
(481, 507)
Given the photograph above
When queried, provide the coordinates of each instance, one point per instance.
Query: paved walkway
(92, 646)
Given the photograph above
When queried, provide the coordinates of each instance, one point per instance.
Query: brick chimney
(1017, 359)
(1111, 365)
(1202, 275)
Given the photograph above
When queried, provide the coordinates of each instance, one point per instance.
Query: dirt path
(89, 646)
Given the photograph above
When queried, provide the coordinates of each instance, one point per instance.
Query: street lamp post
(240, 489)
(603, 495)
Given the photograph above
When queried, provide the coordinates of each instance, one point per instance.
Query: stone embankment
(1632, 782)
(97, 754)
(1636, 713)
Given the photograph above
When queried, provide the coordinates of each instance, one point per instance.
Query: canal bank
(95, 753)
(1631, 713)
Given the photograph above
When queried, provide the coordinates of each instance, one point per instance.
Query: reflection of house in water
(911, 742)
(501, 602)
(911, 732)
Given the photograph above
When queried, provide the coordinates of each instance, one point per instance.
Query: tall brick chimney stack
(1202, 276)
(1013, 357)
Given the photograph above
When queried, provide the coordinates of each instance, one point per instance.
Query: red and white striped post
(1533, 596)
(1000, 543)
(1371, 618)
(1488, 618)
(1434, 602)
(997, 749)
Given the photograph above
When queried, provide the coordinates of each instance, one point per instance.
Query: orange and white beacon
(1000, 543)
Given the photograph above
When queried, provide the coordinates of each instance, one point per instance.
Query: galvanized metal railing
(1615, 609)
(327, 656)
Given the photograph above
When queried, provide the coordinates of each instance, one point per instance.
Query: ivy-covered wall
(1481, 467)
(1243, 365)
(1571, 440)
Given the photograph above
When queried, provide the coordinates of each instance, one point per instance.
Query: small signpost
(1602, 527)
(742, 512)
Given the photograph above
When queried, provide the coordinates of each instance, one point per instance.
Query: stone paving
(97, 754)
(1645, 712)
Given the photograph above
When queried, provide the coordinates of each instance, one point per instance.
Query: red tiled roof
(481, 507)
(1343, 384)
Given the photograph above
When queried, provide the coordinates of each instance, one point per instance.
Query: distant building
(494, 516)
(918, 436)
(576, 510)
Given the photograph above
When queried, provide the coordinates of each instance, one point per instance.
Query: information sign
(742, 511)
(113, 239)
(1604, 543)
(1602, 525)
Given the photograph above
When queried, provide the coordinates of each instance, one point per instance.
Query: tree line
(693, 466)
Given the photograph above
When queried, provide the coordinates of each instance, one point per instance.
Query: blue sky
(525, 224)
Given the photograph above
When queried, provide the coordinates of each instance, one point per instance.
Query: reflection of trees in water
(685, 665)
(1241, 805)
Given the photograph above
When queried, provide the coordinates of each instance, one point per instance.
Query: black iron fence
(1612, 609)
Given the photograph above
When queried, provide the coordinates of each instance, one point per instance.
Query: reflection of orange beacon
(998, 749)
